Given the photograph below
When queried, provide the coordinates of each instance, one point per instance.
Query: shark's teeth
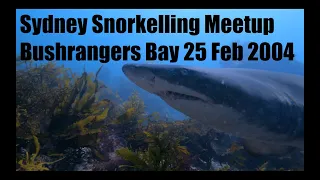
(176, 95)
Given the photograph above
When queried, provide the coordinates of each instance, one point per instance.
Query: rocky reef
(69, 122)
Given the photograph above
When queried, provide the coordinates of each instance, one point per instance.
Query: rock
(109, 165)
(84, 167)
(215, 165)
(87, 162)
(109, 143)
(210, 153)
(194, 168)
(43, 158)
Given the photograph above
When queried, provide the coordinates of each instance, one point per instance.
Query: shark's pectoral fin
(256, 147)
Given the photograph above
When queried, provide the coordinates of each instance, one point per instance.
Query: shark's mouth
(175, 95)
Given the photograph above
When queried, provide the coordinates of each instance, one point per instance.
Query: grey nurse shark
(264, 108)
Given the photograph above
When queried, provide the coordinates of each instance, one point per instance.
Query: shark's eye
(184, 71)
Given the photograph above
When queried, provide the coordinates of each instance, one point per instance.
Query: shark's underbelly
(229, 120)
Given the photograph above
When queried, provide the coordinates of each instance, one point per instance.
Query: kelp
(37, 95)
(29, 163)
(164, 153)
(129, 112)
(82, 106)
(154, 134)
(135, 104)
(64, 109)
(127, 116)
(58, 107)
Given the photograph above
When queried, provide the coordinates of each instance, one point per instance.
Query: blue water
(288, 28)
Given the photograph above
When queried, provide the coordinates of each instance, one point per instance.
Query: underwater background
(82, 116)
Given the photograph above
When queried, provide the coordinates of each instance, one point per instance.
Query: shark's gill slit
(153, 79)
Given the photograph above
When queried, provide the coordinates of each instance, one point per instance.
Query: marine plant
(30, 163)
(164, 153)
(58, 107)
(129, 114)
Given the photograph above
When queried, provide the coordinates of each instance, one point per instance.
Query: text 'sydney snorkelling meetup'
(162, 24)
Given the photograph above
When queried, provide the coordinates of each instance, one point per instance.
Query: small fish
(204, 162)
(263, 167)
(234, 147)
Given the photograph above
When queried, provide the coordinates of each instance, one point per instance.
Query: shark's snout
(128, 69)
(140, 75)
(136, 71)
